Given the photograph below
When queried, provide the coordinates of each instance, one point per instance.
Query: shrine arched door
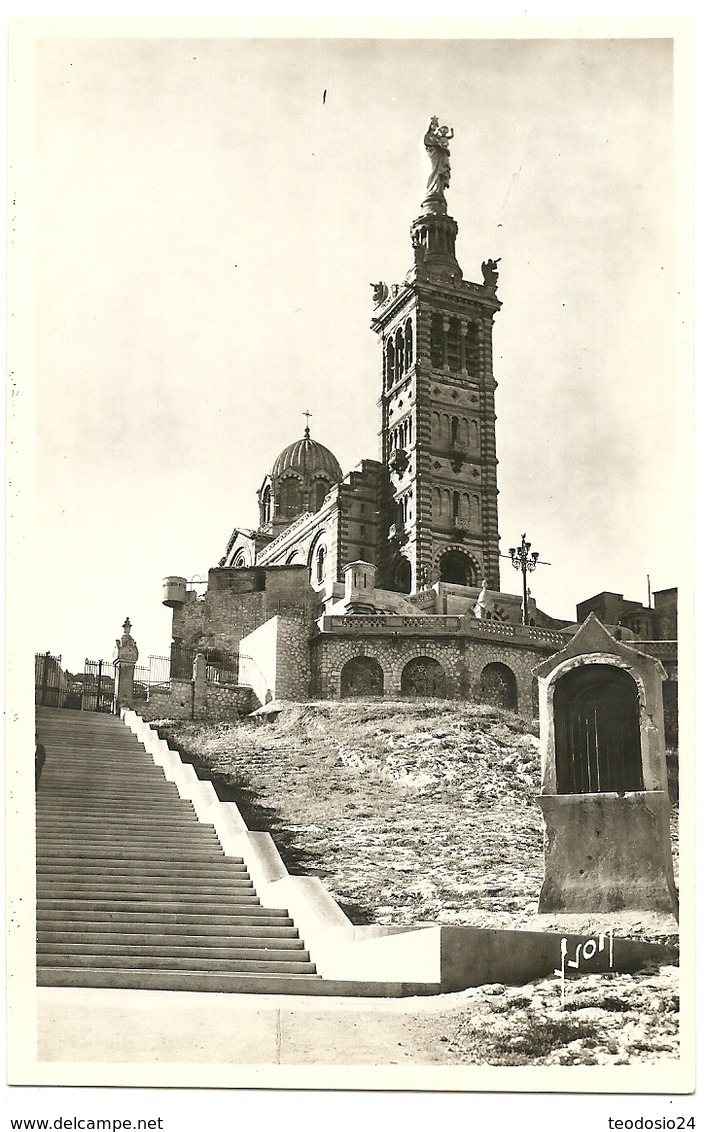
(597, 731)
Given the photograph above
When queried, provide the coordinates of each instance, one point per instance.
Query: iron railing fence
(94, 688)
(222, 665)
(98, 685)
(52, 684)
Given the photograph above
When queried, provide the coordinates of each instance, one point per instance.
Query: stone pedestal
(124, 684)
(126, 655)
(604, 852)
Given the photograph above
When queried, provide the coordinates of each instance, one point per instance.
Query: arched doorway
(361, 676)
(402, 577)
(457, 568)
(423, 676)
(597, 731)
(498, 686)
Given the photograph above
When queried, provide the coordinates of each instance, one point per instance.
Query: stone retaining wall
(222, 701)
(461, 658)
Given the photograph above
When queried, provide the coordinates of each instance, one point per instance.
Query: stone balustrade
(436, 625)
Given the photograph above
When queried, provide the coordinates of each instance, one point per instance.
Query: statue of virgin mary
(436, 143)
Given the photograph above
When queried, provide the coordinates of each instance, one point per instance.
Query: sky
(207, 230)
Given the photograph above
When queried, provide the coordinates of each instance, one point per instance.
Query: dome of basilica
(307, 457)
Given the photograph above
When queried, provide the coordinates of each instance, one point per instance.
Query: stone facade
(238, 601)
(275, 658)
(291, 648)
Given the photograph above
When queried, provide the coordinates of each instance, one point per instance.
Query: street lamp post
(525, 561)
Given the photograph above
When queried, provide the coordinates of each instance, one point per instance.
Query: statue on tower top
(436, 143)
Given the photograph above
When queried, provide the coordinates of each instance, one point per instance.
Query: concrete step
(180, 808)
(156, 821)
(88, 817)
(88, 784)
(96, 755)
(59, 789)
(192, 903)
(95, 840)
(83, 870)
(152, 853)
(60, 847)
(92, 778)
(120, 889)
(172, 963)
(87, 733)
(157, 811)
(102, 762)
(143, 807)
(49, 953)
(229, 984)
(192, 833)
(95, 751)
(79, 796)
(95, 937)
(181, 980)
(225, 920)
(87, 748)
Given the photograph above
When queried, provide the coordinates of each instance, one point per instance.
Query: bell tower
(438, 403)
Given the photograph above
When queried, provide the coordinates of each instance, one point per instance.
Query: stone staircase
(132, 890)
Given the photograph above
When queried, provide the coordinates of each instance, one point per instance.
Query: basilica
(426, 512)
(384, 580)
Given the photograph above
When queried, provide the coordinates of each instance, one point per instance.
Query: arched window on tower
(320, 493)
(289, 499)
(399, 354)
(454, 431)
(436, 339)
(320, 564)
(455, 505)
(453, 345)
(390, 363)
(472, 352)
(408, 348)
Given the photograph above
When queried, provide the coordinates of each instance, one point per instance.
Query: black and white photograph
(350, 524)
